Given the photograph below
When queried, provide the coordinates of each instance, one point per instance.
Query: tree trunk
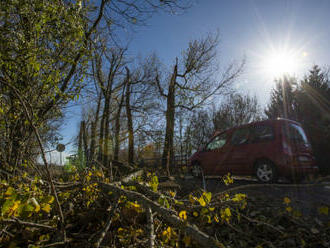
(106, 142)
(129, 121)
(117, 124)
(101, 136)
(80, 138)
(170, 113)
(85, 143)
(93, 131)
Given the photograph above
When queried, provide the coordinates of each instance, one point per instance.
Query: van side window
(240, 136)
(262, 133)
(218, 142)
(295, 133)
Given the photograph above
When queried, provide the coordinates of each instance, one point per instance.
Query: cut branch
(25, 223)
(150, 221)
(168, 215)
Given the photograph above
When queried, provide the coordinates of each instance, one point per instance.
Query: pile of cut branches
(134, 212)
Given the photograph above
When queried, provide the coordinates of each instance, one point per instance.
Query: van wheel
(196, 170)
(266, 172)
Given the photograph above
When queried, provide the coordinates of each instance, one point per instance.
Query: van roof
(256, 122)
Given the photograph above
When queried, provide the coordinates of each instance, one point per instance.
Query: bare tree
(238, 109)
(191, 83)
(141, 102)
(108, 84)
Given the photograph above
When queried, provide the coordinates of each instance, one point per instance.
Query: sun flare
(278, 62)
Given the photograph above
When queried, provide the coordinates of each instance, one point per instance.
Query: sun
(277, 63)
(274, 62)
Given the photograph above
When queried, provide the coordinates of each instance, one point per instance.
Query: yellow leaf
(187, 241)
(51, 199)
(195, 214)
(225, 214)
(14, 208)
(99, 174)
(35, 204)
(37, 208)
(44, 237)
(216, 219)
(46, 208)
(324, 210)
(227, 211)
(9, 191)
(289, 209)
(207, 196)
(167, 233)
(183, 215)
(228, 179)
(192, 199)
(286, 200)
(172, 193)
(238, 197)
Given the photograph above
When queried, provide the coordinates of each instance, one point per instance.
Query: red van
(267, 149)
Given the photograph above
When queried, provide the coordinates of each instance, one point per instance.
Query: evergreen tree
(307, 103)
(283, 102)
(313, 110)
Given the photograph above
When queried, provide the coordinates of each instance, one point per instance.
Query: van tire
(196, 170)
(266, 171)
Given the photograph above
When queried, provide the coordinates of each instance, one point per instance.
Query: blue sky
(249, 28)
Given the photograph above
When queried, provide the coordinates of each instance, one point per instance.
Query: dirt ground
(306, 197)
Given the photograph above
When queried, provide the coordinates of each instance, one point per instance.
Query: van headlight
(303, 158)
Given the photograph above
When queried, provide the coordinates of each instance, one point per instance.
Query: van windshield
(296, 134)
(218, 142)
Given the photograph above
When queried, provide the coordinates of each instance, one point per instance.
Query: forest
(143, 120)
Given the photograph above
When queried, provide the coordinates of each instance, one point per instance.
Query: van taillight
(286, 148)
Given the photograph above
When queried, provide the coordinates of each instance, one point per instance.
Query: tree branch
(169, 216)
(161, 90)
(25, 223)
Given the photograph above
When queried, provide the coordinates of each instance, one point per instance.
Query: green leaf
(163, 202)
(6, 206)
(154, 183)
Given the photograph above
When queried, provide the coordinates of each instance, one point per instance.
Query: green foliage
(43, 56)
(283, 101)
(24, 200)
(75, 162)
(153, 181)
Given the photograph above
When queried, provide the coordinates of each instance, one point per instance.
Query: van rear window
(295, 133)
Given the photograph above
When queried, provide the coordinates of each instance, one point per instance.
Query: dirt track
(305, 197)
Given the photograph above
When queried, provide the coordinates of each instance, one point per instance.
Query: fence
(177, 162)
